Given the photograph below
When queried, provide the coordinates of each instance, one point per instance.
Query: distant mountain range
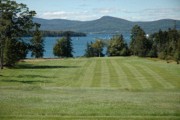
(106, 24)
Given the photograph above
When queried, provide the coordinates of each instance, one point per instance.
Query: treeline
(57, 33)
(16, 22)
(163, 45)
(62, 33)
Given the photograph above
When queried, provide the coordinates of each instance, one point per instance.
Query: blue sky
(133, 10)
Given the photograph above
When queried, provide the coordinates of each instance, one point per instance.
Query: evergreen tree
(89, 50)
(177, 52)
(172, 42)
(37, 43)
(177, 56)
(166, 44)
(139, 44)
(68, 46)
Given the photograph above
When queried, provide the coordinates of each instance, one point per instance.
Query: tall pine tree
(37, 43)
(139, 44)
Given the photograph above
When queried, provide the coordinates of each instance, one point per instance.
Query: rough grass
(94, 89)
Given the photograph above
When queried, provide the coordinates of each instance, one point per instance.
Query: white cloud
(78, 15)
(161, 13)
(105, 10)
(142, 15)
(153, 14)
(56, 14)
(83, 15)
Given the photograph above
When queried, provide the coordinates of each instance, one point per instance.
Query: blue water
(79, 44)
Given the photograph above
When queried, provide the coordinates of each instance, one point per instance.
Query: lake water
(79, 44)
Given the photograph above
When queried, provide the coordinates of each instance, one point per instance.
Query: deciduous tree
(15, 21)
(95, 49)
(63, 47)
(117, 46)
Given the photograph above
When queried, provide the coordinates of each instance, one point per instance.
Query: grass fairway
(94, 89)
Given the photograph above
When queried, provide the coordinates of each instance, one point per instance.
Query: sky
(85, 10)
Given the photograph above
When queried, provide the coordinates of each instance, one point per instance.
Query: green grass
(94, 89)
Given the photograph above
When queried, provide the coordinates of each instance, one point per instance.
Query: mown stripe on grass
(65, 79)
(88, 74)
(157, 77)
(154, 83)
(142, 80)
(105, 75)
(97, 74)
(131, 77)
(71, 117)
(122, 77)
(167, 72)
(78, 73)
(113, 75)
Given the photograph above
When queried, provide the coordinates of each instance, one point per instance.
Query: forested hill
(106, 24)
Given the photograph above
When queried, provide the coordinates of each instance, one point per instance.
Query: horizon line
(107, 16)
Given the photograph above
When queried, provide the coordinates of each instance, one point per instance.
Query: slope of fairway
(94, 88)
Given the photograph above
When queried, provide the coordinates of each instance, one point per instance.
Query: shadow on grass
(25, 76)
(28, 81)
(32, 76)
(29, 66)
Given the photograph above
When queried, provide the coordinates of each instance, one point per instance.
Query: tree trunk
(1, 56)
(177, 61)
